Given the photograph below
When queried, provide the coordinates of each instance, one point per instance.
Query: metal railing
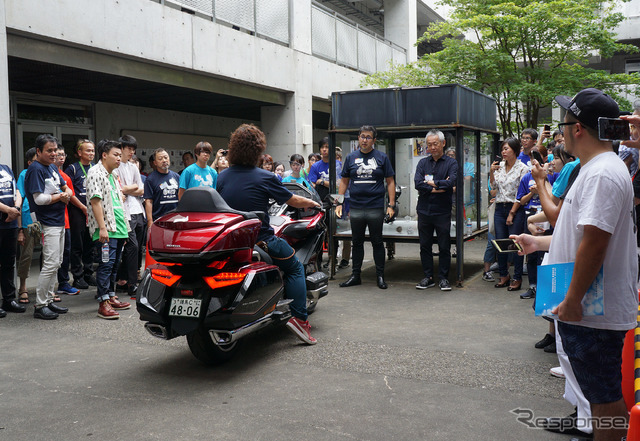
(342, 41)
(333, 37)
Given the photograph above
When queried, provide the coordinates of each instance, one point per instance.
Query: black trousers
(441, 225)
(81, 252)
(9, 246)
(372, 218)
(129, 266)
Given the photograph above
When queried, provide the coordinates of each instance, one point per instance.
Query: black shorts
(596, 359)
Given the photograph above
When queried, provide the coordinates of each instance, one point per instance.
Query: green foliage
(521, 52)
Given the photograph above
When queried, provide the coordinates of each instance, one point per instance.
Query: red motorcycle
(206, 279)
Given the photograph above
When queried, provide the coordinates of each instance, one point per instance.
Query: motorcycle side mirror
(336, 199)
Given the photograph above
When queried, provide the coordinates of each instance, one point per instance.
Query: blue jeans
(295, 285)
(360, 220)
(503, 231)
(106, 272)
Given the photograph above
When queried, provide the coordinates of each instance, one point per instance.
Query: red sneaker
(105, 311)
(117, 304)
(301, 330)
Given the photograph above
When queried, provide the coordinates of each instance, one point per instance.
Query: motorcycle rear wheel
(203, 348)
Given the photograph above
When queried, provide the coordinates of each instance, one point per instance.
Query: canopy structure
(402, 117)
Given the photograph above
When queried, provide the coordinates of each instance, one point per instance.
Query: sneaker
(105, 311)
(444, 285)
(117, 304)
(556, 372)
(546, 341)
(91, 281)
(425, 283)
(494, 266)
(80, 284)
(343, 264)
(530, 294)
(488, 276)
(65, 288)
(301, 330)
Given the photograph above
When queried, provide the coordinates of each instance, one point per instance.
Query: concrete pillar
(5, 119)
(401, 25)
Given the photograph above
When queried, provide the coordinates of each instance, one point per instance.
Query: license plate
(181, 307)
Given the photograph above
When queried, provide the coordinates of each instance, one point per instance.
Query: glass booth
(402, 117)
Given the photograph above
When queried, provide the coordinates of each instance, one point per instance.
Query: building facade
(175, 72)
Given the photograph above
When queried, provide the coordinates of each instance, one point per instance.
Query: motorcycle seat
(208, 200)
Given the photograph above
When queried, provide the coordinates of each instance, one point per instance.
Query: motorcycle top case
(198, 233)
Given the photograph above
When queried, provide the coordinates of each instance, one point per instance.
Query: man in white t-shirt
(132, 186)
(595, 230)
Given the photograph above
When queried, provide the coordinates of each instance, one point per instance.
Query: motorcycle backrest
(208, 200)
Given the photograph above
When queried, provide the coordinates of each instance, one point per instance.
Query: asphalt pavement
(395, 364)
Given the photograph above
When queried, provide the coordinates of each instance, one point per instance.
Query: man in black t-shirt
(246, 187)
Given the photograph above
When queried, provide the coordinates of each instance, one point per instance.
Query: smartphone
(537, 156)
(506, 245)
(225, 152)
(613, 129)
(498, 158)
(547, 128)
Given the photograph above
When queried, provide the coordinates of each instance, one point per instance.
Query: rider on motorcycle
(246, 187)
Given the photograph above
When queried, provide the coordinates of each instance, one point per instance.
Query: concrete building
(175, 72)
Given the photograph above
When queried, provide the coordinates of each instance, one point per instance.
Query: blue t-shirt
(248, 188)
(162, 189)
(7, 194)
(78, 174)
(319, 170)
(525, 159)
(45, 179)
(301, 180)
(26, 213)
(523, 189)
(367, 173)
(560, 184)
(195, 176)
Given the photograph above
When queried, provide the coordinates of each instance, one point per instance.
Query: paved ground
(400, 364)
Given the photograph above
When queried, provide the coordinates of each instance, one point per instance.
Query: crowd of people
(569, 192)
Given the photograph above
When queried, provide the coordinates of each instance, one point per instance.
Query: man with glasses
(368, 174)
(528, 140)
(434, 179)
(595, 232)
(81, 254)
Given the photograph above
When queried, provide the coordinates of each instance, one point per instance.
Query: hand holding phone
(506, 245)
(537, 156)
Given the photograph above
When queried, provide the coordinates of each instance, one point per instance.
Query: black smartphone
(537, 156)
(613, 129)
(224, 152)
(547, 128)
(498, 158)
(506, 245)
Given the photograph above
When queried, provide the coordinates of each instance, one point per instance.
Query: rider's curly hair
(246, 145)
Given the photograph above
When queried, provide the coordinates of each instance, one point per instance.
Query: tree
(521, 52)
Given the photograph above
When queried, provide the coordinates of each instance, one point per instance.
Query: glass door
(68, 136)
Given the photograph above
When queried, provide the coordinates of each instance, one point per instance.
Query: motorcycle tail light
(164, 276)
(224, 279)
(218, 264)
(314, 221)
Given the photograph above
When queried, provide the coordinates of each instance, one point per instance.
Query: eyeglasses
(561, 126)
(366, 138)
(526, 138)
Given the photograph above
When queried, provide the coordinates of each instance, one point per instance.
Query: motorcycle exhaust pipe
(157, 331)
(224, 337)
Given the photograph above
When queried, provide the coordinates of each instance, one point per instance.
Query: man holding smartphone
(594, 230)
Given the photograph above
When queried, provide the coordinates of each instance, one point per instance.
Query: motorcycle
(207, 279)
